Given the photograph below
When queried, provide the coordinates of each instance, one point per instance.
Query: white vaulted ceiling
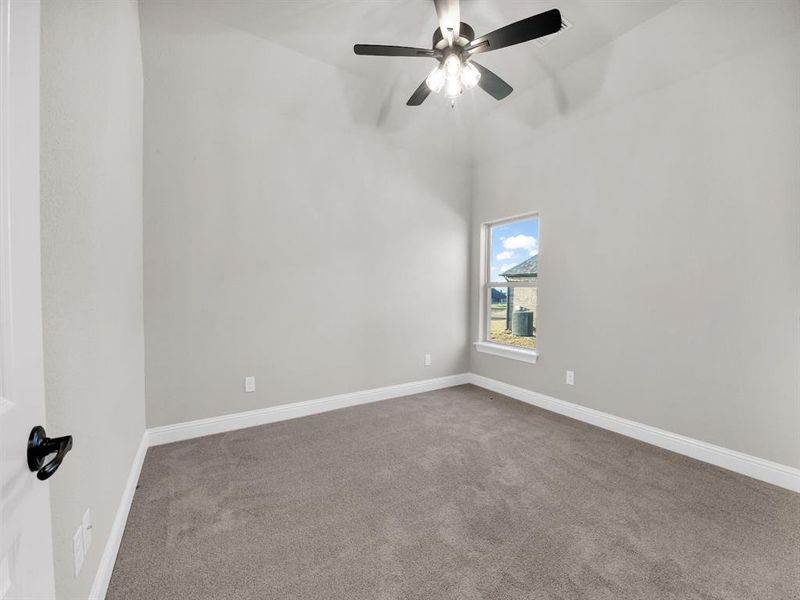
(327, 30)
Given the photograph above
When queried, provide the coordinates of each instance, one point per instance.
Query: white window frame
(484, 344)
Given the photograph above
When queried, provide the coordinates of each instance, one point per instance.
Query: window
(509, 290)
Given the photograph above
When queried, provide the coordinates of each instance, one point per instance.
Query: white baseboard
(764, 470)
(192, 429)
(757, 468)
(103, 576)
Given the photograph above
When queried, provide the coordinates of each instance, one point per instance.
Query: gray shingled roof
(528, 268)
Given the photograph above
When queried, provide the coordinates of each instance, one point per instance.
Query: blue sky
(512, 243)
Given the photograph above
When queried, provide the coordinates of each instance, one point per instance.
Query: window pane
(514, 249)
(512, 316)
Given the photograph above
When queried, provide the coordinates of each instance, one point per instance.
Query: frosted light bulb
(470, 76)
(452, 88)
(452, 66)
(435, 81)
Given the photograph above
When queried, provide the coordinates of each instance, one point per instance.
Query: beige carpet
(454, 494)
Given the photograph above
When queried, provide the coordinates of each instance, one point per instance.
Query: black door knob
(40, 447)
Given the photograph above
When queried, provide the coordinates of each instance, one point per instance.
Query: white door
(26, 556)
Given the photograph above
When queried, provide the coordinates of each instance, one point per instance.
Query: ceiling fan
(454, 44)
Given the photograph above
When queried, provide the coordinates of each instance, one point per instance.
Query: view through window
(511, 282)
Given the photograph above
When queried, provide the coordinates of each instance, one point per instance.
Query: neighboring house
(518, 298)
(498, 296)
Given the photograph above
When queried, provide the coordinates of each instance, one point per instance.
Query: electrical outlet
(77, 549)
(250, 384)
(427, 360)
(570, 377)
(86, 522)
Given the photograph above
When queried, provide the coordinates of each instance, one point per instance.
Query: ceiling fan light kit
(454, 44)
(454, 74)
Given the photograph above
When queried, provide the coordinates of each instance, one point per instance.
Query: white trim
(506, 351)
(506, 220)
(523, 283)
(5, 213)
(485, 276)
(103, 575)
(764, 470)
(738, 462)
(201, 427)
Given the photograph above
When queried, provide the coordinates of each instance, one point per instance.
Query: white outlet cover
(250, 384)
(87, 530)
(570, 378)
(427, 360)
(77, 549)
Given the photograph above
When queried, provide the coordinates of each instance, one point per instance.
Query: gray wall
(300, 237)
(665, 170)
(290, 233)
(91, 161)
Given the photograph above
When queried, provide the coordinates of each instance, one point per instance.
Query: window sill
(528, 356)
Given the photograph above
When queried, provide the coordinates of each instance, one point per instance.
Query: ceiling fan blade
(449, 13)
(379, 50)
(490, 83)
(522, 31)
(419, 95)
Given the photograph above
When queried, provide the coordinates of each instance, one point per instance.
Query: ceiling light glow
(452, 77)
(452, 66)
(470, 76)
(452, 89)
(435, 81)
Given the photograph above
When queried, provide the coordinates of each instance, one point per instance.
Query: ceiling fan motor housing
(465, 35)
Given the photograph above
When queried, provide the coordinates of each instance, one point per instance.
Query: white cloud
(506, 267)
(505, 255)
(521, 242)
